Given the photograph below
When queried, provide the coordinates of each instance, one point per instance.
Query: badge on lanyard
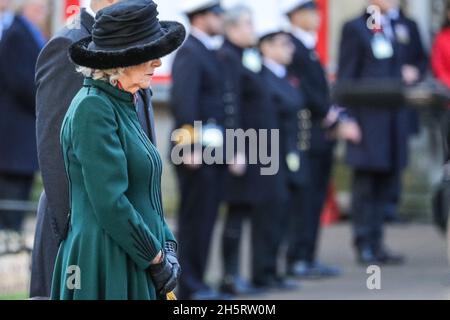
(293, 162)
(382, 47)
(252, 60)
(402, 34)
(212, 136)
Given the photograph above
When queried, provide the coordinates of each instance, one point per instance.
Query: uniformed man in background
(369, 53)
(277, 50)
(314, 142)
(199, 93)
(249, 196)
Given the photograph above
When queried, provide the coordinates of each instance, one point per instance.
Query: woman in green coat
(118, 245)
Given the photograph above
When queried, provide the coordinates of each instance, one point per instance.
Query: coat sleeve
(317, 101)
(53, 96)
(168, 233)
(186, 76)
(420, 57)
(104, 166)
(350, 55)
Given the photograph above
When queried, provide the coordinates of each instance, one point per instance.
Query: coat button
(304, 135)
(229, 109)
(304, 125)
(303, 146)
(228, 97)
(229, 123)
(304, 114)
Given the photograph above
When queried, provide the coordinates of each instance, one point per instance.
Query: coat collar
(111, 90)
(87, 20)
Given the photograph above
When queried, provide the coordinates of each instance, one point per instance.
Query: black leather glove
(165, 274)
(164, 279)
(170, 250)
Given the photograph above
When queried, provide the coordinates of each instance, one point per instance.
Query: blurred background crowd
(342, 80)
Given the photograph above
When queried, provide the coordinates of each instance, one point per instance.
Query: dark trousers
(14, 187)
(395, 191)
(232, 235)
(199, 204)
(44, 253)
(305, 207)
(371, 194)
(272, 224)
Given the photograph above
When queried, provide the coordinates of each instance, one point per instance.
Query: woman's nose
(156, 63)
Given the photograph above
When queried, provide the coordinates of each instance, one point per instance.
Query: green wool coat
(117, 223)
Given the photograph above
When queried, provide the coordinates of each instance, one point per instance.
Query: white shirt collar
(6, 19)
(394, 14)
(210, 42)
(309, 39)
(278, 69)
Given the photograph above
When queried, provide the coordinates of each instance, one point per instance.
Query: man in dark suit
(367, 52)
(200, 92)
(307, 204)
(57, 84)
(414, 62)
(19, 49)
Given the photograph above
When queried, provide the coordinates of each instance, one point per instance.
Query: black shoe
(237, 286)
(276, 283)
(366, 256)
(396, 219)
(389, 258)
(209, 295)
(285, 284)
(313, 271)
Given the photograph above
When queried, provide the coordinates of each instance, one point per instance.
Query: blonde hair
(108, 75)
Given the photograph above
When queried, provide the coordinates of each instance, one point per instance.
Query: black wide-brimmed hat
(125, 34)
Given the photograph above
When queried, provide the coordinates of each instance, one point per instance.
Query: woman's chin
(146, 85)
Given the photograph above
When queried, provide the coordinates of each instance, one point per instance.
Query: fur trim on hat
(174, 35)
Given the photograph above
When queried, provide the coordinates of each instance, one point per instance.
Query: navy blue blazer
(197, 85)
(294, 125)
(308, 70)
(384, 131)
(18, 54)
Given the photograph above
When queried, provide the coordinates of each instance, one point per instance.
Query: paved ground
(425, 276)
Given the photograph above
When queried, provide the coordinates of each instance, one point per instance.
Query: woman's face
(140, 76)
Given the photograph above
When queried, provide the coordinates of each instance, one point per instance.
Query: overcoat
(18, 54)
(385, 131)
(114, 174)
(57, 84)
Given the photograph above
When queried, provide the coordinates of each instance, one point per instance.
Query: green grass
(16, 296)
